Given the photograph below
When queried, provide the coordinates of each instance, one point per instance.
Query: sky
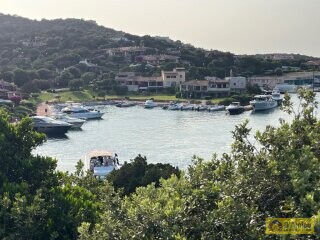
(238, 26)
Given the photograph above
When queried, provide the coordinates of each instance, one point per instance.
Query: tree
(65, 77)
(45, 73)
(138, 173)
(278, 71)
(36, 202)
(88, 77)
(33, 75)
(76, 84)
(8, 76)
(75, 72)
(20, 77)
(15, 99)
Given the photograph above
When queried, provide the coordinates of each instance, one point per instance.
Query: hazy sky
(239, 26)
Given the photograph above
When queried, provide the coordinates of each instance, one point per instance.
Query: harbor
(176, 135)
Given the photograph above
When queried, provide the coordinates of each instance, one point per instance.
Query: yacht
(263, 102)
(75, 122)
(125, 104)
(276, 95)
(49, 125)
(215, 108)
(100, 163)
(235, 108)
(82, 112)
(150, 104)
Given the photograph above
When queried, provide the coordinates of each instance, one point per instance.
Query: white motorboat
(75, 122)
(150, 104)
(187, 107)
(215, 108)
(263, 102)
(174, 106)
(201, 108)
(235, 108)
(276, 95)
(126, 104)
(101, 163)
(49, 125)
(82, 112)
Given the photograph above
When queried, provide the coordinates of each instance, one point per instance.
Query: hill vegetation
(39, 55)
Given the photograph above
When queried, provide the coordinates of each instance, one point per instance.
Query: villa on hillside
(168, 79)
(7, 90)
(157, 59)
(127, 51)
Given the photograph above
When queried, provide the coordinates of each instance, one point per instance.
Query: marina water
(162, 136)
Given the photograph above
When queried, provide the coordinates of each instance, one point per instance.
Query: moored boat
(75, 122)
(263, 102)
(174, 106)
(150, 104)
(82, 112)
(100, 163)
(126, 104)
(235, 108)
(277, 96)
(201, 108)
(215, 108)
(49, 125)
(187, 107)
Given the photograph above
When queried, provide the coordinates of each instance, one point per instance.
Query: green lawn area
(67, 96)
(88, 95)
(143, 98)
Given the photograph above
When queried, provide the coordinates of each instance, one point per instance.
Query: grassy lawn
(67, 96)
(143, 98)
(87, 95)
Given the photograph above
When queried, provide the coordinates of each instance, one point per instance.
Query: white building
(139, 83)
(237, 84)
(173, 78)
(297, 78)
(203, 88)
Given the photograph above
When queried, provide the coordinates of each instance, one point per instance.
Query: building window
(234, 84)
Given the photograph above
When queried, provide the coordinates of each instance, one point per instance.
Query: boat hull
(279, 101)
(76, 125)
(149, 106)
(92, 115)
(264, 106)
(52, 130)
(215, 109)
(235, 111)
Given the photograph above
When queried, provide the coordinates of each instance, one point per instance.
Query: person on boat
(101, 160)
(116, 158)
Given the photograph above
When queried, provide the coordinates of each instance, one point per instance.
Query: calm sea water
(160, 135)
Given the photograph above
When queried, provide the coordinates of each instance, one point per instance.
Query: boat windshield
(102, 161)
(261, 98)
